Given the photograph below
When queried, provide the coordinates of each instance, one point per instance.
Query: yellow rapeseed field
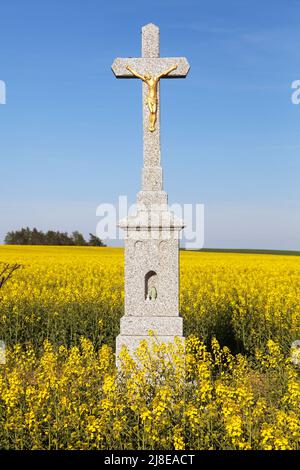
(234, 387)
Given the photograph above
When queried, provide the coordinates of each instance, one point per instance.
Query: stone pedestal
(151, 261)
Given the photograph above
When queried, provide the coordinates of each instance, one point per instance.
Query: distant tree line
(26, 236)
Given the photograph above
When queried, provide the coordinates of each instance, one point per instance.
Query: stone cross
(152, 64)
(152, 234)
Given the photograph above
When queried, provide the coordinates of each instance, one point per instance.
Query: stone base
(161, 326)
(133, 342)
(134, 329)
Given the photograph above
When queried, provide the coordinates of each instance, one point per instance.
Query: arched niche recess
(151, 285)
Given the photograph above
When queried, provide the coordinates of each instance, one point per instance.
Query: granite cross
(151, 236)
(150, 68)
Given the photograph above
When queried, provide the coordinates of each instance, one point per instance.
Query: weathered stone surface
(152, 66)
(152, 176)
(150, 40)
(151, 220)
(160, 326)
(151, 198)
(159, 256)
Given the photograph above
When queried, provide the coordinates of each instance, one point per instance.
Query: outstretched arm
(167, 72)
(136, 74)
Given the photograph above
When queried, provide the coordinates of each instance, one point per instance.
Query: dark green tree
(78, 238)
(95, 241)
(26, 236)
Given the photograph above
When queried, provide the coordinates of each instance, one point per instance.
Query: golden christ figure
(152, 99)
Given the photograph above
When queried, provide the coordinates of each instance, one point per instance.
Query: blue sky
(71, 136)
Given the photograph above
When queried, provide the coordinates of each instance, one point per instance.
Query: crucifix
(152, 234)
(152, 92)
(150, 68)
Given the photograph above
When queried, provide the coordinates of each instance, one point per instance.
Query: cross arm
(153, 66)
